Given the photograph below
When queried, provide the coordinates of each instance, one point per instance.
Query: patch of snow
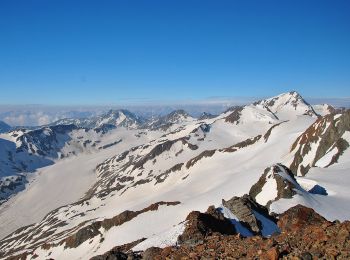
(269, 190)
(164, 239)
(326, 159)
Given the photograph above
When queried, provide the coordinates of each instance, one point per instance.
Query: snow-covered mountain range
(77, 188)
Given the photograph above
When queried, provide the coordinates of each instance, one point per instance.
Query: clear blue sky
(99, 52)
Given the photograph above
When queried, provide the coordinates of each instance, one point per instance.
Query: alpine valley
(267, 180)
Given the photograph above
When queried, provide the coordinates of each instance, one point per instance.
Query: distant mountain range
(38, 115)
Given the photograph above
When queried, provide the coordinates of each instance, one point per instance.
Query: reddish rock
(199, 225)
(305, 235)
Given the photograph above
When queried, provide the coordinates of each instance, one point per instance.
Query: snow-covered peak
(120, 117)
(164, 122)
(323, 109)
(177, 116)
(206, 115)
(287, 106)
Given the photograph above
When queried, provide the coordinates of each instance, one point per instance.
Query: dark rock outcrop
(243, 208)
(305, 235)
(243, 144)
(206, 153)
(206, 115)
(235, 115)
(200, 225)
(121, 252)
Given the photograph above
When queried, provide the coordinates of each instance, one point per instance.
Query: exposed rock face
(322, 143)
(10, 185)
(268, 133)
(123, 252)
(206, 115)
(202, 129)
(305, 235)
(151, 253)
(235, 115)
(300, 217)
(243, 208)
(200, 225)
(46, 141)
(207, 153)
(243, 144)
(276, 182)
(160, 148)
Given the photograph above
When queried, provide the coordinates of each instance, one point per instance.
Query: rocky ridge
(303, 234)
(322, 143)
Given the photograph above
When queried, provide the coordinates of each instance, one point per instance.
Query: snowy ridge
(189, 163)
(170, 121)
(287, 106)
(324, 109)
(321, 144)
(117, 118)
(278, 182)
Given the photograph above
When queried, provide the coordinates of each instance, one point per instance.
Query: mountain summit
(120, 117)
(287, 105)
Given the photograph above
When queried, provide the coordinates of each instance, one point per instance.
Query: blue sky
(110, 52)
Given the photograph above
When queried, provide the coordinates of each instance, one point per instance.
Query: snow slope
(208, 181)
(195, 163)
(63, 182)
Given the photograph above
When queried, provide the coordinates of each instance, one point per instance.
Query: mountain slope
(194, 193)
(4, 127)
(163, 176)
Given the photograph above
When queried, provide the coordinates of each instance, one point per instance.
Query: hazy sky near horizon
(105, 52)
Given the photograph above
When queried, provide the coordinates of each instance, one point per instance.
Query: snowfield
(195, 163)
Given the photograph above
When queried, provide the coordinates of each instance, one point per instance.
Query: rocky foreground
(304, 234)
